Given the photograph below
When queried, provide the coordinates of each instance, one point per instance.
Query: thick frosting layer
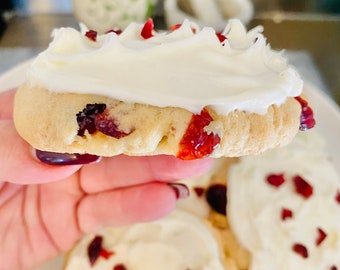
(279, 239)
(179, 68)
(177, 242)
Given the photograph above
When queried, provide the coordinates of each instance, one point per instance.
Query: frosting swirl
(284, 228)
(187, 68)
(176, 242)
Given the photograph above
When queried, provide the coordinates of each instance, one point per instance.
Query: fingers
(17, 164)
(6, 104)
(122, 171)
(125, 206)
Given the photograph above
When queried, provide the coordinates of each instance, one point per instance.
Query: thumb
(18, 165)
(6, 104)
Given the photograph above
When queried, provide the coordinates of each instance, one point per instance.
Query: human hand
(45, 209)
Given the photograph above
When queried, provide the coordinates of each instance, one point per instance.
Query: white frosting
(178, 69)
(254, 207)
(177, 242)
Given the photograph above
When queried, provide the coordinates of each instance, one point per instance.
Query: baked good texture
(49, 122)
(190, 93)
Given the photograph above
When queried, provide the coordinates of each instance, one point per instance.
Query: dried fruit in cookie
(302, 187)
(337, 197)
(147, 29)
(307, 120)
(95, 117)
(286, 213)
(216, 196)
(321, 237)
(301, 250)
(92, 35)
(196, 142)
(275, 180)
(107, 125)
(119, 267)
(86, 118)
(96, 250)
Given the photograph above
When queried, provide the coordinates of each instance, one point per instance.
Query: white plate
(327, 114)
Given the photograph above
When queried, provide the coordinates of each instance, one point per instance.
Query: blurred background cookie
(104, 15)
(213, 13)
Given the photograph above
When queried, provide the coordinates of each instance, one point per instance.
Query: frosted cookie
(214, 13)
(197, 203)
(284, 207)
(281, 210)
(208, 200)
(188, 92)
(176, 242)
(104, 15)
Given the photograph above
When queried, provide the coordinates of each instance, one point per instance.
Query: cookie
(188, 92)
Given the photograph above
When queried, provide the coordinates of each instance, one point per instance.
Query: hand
(45, 209)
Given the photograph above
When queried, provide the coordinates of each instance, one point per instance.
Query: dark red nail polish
(52, 158)
(181, 190)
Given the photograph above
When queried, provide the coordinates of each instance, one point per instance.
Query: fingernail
(181, 190)
(52, 158)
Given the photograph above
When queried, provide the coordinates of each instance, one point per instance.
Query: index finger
(6, 104)
(17, 163)
(122, 171)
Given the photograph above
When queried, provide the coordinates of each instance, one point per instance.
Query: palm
(39, 221)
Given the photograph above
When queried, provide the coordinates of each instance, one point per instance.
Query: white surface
(327, 115)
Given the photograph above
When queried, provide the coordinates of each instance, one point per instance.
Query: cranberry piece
(221, 37)
(302, 187)
(334, 267)
(86, 118)
(196, 142)
(216, 196)
(94, 118)
(118, 31)
(92, 35)
(106, 125)
(321, 237)
(301, 250)
(286, 213)
(307, 120)
(337, 197)
(175, 26)
(199, 191)
(275, 180)
(119, 267)
(96, 250)
(147, 29)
